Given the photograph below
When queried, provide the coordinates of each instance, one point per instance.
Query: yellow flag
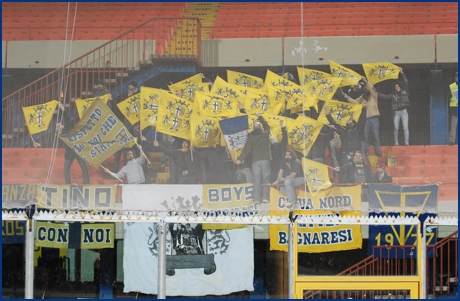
(322, 89)
(277, 81)
(83, 104)
(341, 112)
(38, 118)
(316, 175)
(197, 78)
(205, 131)
(245, 80)
(150, 99)
(188, 90)
(274, 123)
(216, 106)
(257, 101)
(226, 90)
(349, 76)
(131, 108)
(174, 116)
(302, 133)
(309, 75)
(378, 72)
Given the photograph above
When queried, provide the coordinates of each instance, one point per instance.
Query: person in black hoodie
(350, 135)
(70, 155)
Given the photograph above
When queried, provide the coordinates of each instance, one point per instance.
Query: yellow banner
(303, 133)
(323, 89)
(309, 75)
(84, 104)
(97, 236)
(75, 235)
(277, 81)
(257, 101)
(98, 135)
(216, 106)
(316, 175)
(150, 99)
(319, 238)
(38, 117)
(52, 235)
(205, 131)
(236, 197)
(378, 72)
(174, 116)
(341, 112)
(274, 123)
(349, 76)
(245, 80)
(87, 197)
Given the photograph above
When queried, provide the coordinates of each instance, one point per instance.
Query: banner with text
(18, 195)
(319, 238)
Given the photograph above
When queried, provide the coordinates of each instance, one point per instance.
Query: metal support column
(29, 259)
(162, 256)
(423, 285)
(291, 262)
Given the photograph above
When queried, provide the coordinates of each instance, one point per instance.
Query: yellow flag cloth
(391, 159)
(378, 72)
(257, 101)
(274, 123)
(341, 112)
(303, 133)
(316, 175)
(98, 135)
(323, 89)
(150, 99)
(245, 80)
(38, 118)
(188, 90)
(309, 75)
(174, 116)
(131, 108)
(349, 76)
(226, 90)
(205, 131)
(215, 106)
(277, 81)
(373, 160)
(197, 78)
(83, 104)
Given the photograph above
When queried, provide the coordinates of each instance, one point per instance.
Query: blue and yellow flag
(341, 112)
(83, 104)
(216, 106)
(150, 99)
(205, 131)
(378, 72)
(226, 90)
(131, 108)
(350, 77)
(316, 175)
(245, 80)
(38, 118)
(309, 75)
(174, 116)
(235, 131)
(303, 133)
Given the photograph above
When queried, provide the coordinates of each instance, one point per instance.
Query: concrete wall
(421, 49)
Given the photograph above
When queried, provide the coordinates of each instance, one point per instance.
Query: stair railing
(110, 62)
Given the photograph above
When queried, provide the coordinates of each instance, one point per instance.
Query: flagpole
(111, 173)
(142, 152)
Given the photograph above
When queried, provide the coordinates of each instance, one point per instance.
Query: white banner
(230, 251)
(154, 197)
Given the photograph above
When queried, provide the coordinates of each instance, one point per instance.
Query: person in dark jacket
(399, 105)
(278, 149)
(70, 155)
(186, 161)
(258, 148)
(381, 175)
(356, 171)
(350, 135)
